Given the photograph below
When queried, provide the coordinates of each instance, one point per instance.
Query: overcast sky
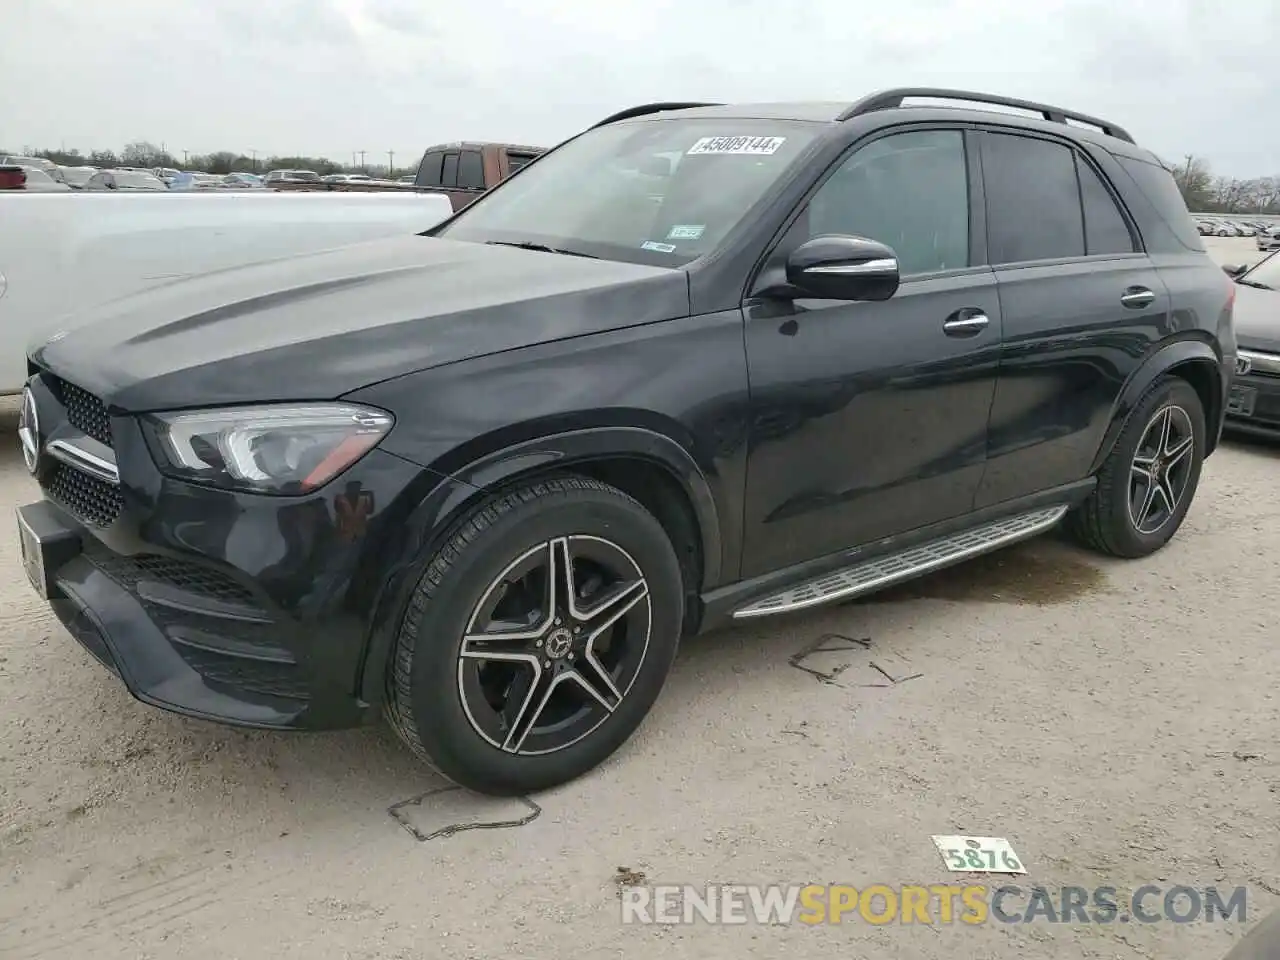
(328, 77)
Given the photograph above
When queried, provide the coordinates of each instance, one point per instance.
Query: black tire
(425, 703)
(1105, 522)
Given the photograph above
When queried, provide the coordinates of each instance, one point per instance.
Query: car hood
(321, 325)
(1257, 319)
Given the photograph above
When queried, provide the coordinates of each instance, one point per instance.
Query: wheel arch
(648, 465)
(1193, 360)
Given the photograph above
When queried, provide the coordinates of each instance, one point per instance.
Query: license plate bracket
(47, 542)
(1241, 400)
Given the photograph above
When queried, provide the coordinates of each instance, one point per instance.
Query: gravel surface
(1117, 722)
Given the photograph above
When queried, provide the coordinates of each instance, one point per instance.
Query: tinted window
(910, 191)
(429, 169)
(1033, 200)
(471, 170)
(1105, 229)
(449, 173)
(517, 160)
(1158, 186)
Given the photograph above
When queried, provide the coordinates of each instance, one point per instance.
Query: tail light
(12, 178)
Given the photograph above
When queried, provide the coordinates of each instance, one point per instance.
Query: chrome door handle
(965, 324)
(1136, 298)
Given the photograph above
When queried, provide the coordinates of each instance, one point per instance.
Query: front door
(870, 419)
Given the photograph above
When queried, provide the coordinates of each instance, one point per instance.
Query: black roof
(831, 112)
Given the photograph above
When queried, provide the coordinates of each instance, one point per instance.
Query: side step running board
(887, 570)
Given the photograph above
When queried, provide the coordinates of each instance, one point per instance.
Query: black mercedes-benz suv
(698, 364)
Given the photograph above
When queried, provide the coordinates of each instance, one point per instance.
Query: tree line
(149, 156)
(1203, 191)
(1206, 193)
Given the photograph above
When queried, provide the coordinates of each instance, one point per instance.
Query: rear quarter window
(1158, 186)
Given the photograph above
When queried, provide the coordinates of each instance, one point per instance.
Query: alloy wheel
(554, 644)
(1161, 469)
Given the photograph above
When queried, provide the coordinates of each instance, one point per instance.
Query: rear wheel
(538, 637)
(1147, 483)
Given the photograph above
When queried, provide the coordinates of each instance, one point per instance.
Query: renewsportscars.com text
(973, 904)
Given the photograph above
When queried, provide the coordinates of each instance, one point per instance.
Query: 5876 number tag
(978, 855)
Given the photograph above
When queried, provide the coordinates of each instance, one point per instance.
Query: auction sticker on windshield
(686, 231)
(750, 146)
(658, 247)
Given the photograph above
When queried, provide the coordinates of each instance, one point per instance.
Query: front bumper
(245, 609)
(1253, 406)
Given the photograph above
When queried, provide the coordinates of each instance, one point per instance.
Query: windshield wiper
(1255, 283)
(540, 247)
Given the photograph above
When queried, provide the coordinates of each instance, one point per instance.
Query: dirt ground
(1117, 722)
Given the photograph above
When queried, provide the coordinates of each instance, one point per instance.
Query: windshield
(663, 192)
(303, 175)
(1265, 272)
(77, 176)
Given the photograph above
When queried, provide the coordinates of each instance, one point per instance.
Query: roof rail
(892, 99)
(648, 108)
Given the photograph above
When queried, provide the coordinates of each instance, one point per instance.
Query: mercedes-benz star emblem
(29, 429)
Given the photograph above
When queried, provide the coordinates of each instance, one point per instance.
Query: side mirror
(1234, 270)
(838, 267)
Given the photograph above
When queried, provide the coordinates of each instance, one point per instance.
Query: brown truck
(461, 171)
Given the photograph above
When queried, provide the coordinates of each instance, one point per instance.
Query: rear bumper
(1254, 406)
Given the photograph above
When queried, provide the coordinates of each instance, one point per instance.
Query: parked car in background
(1254, 404)
(485, 479)
(196, 181)
(1268, 238)
(167, 174)
(77, 177)
(407, 178)
(43, 164)
(15, 177)
(348, 178)
(291, 176)
(242, 181)
(126, 180)
(464, 171)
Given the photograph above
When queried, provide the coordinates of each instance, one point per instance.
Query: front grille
(91, 500)
(85, 411)
(177, 573)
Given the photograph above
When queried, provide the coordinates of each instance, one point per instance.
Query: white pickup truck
(62, 252)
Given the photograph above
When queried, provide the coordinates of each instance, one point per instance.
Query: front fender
(595, 443)
(450, 497)
(1180, 354)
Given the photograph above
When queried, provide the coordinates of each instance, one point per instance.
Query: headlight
(282, 449)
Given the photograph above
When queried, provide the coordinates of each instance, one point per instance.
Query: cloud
(332, 76)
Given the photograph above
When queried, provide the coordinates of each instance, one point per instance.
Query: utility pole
(362, 153)
(184, 158)
(391, 164)
(254, 154)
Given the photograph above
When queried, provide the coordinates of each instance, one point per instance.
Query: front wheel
(1148, 481)
(538, 637)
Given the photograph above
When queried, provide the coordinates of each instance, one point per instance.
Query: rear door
(1080, 300)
